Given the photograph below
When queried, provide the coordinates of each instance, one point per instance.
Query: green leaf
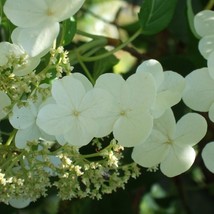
(103, 65)
(67, 32)
(155, 15)
(190, 16)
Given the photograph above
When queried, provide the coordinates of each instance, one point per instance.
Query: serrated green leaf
(155, 15)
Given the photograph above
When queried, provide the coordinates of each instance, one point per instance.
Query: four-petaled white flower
(204, 25)
(170, 144)
(208, 156)
(78, 108)
(24, 119)
(38, 21)
(199, 92)
(169, 84)
(130, 117)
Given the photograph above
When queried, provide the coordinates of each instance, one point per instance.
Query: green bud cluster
(31, 172)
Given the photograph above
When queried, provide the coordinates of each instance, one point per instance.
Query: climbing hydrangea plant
(68, 126)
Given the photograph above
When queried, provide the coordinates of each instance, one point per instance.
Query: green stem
(209, 5)
(100, 153)
(119, 47)
(10, 139)
(82, 33)
(85, 69)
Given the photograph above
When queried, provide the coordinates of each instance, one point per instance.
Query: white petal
(208, 156)
(142, 89)
(206, 46)
(83, 79)
(151, 152)
(81, 131)
(190, 129)
(61, 140)
(169, 92)
(24, 13)
(174, 83)
(32, 63)
(54, 119)
(161, 103)
(155, 68)
(5, 50)
(199, 91)
(25, 135)
(133, 128)
(19, 203)
(68, 92)
(211, 112)
(210, 64)
(113, 83)
(65, 8)
(36, 40)
(204, 23)
(23, 117)
(166, 124)
(178, 160)
(98, 105)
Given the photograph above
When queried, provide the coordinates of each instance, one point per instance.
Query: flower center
(75, 113)
(123, 113)
(169, 142)
(49, 12)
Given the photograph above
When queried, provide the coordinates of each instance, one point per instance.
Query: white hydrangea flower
(130, 117)
(4, 102)
(38, 21)
(12, 54)
(24, 119)
(78, 108)
(208, 156)
(170, 86)
(199, 92)
(204, 26)
(170, 144)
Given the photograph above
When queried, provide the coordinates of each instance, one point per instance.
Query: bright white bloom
(170, 144)
(38, 21)
(204, 26)
(13, 55)
(199, 92)
(78, 108)
(208, 156)
(169, 84)
(24, 119)
(130, 116)
(4, 102)
(19, 203)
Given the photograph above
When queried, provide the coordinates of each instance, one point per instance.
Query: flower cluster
(54, 112)
(199, 93)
